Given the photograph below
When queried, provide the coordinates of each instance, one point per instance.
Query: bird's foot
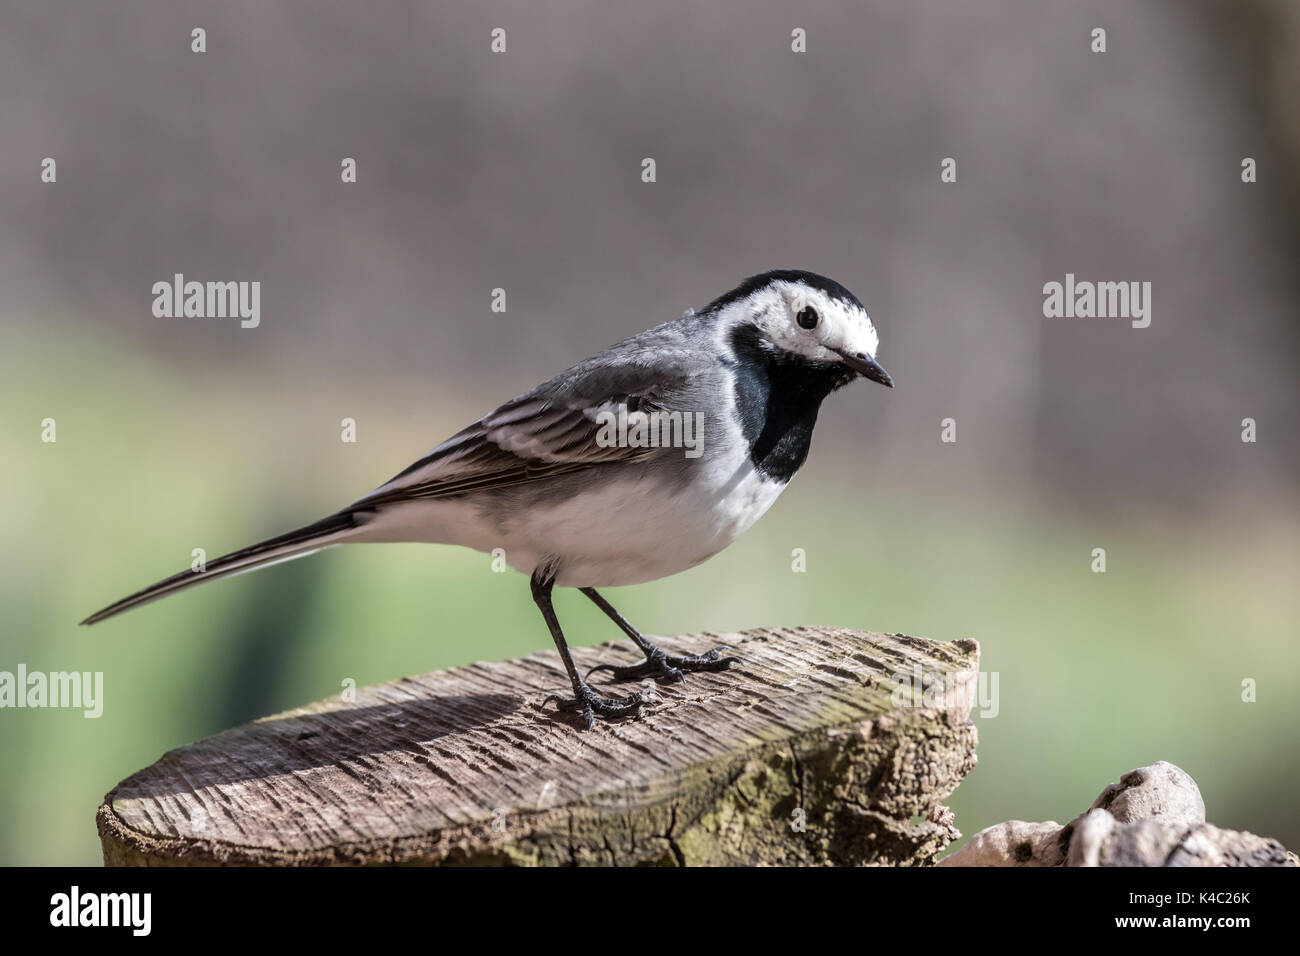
(589, 704)
(667, 668)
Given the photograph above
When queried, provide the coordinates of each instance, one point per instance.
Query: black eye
(807, 317)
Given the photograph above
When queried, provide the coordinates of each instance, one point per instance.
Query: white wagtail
(584, 481)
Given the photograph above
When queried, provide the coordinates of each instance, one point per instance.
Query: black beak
(867, 367)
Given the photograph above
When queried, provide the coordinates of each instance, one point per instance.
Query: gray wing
(553, 429)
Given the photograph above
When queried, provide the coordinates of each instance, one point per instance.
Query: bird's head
(797, 316)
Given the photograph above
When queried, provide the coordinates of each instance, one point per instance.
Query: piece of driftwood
(1154, 816)
(819, 749)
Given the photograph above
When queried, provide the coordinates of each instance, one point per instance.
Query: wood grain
(461, 766)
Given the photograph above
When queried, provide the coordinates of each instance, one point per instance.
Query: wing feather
(551, 430)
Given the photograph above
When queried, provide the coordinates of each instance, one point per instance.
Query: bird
(637, 463)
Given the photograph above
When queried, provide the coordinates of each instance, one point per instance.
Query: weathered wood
(1154, 816)
(460, 766)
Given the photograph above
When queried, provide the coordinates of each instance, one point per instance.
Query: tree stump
(820, 749)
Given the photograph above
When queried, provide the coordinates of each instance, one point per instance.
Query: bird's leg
(584, 700)
(662, 667)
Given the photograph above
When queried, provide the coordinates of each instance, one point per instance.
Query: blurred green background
(1099, 673)
(522, 173)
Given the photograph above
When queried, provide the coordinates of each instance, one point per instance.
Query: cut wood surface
(806, 754)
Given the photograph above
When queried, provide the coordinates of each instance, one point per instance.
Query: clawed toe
(669, 669)
(656, 666)
(709, 661)
(589, 703)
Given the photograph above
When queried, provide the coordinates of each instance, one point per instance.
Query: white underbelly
(624, 534)
(610, 534)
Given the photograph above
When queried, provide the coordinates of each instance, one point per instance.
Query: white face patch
(841, 327)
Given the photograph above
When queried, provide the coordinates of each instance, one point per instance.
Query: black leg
(662, 667)
(584, 699)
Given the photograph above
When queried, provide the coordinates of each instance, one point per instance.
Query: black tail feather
(293, 544)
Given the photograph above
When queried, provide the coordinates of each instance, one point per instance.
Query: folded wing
(553, 430)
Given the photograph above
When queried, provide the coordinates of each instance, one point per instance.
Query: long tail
(296, 544)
